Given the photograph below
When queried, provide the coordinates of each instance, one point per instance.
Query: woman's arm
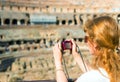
(60, 75)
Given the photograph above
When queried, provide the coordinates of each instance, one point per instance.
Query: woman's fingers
(57, 52)
(74, 46)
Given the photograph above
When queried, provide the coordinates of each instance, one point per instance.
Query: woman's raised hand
(57, 54)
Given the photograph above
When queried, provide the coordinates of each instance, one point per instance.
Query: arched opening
(26, 8)
(14, 21)
(94, 16)
(18, 42)
(33, 8)
(80, 39)
(74, 10)
(1, 37)
(18, 7)
(63, 22)
(22, 21)
(7, 21)
(11, 7)
(118, 19)
(69, 22)
(57, 22)
(75, 21)
(0, 21)
(81, 20)
(28, 22)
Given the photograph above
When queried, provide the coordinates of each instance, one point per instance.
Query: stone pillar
(34, 65)
(18, 22)
(26, 21)
(2, 21)
(22, 46)
(77, 19)
(84, 18)
(29, 65)
(48, 43)
(96, 15)
(66, 21)
(42, 44)
(60, 22)
(73, 23)
(90, 16)
(10, 21)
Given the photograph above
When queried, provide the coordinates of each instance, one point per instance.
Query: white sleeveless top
(94, 76)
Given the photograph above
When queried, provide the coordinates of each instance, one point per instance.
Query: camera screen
(68, 45)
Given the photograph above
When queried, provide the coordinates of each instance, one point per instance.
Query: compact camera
(66, 45)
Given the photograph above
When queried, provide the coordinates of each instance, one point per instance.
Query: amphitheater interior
(30, 28)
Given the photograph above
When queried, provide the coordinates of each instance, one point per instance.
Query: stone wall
(67, 13)
(27, 55)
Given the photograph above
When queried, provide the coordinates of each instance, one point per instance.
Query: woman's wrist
(58, 63)
(59, 68)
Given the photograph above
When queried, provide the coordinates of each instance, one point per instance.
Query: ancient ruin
(29, 29)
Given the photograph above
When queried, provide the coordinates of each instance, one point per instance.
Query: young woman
(102, 38)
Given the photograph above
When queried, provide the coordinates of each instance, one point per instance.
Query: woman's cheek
(91, 48)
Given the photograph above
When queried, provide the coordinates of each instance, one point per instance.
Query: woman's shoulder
(94, 76)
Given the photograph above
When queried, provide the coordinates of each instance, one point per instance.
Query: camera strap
(82, 58)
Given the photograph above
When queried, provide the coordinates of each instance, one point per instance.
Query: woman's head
(103, 32)
(103, 39)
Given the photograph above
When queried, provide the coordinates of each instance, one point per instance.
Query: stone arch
(7, 21)
(14, 21)
(118, 18)
(63, 22)
(22, 21)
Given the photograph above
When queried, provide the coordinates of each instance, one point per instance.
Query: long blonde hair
(104, 32)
